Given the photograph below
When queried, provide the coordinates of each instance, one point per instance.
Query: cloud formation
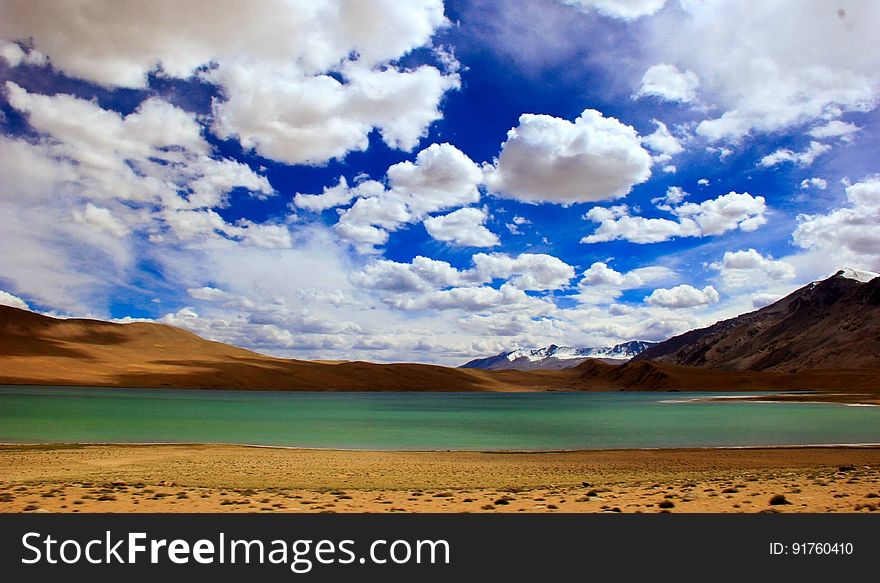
(716, 216)
(666, 82)
(549, 159)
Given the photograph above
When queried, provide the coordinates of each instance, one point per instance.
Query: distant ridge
(828, 324)
(39, 350)
(556, 357)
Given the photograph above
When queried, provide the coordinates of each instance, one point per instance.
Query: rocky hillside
(829, 324)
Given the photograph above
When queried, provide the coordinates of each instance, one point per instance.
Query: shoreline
(74, 444)
(817, 396)
(219, 478)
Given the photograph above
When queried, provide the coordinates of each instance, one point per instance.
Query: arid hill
(39, 350)
(36, 349)
(830, 324)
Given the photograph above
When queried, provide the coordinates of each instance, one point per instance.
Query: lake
(422, 421)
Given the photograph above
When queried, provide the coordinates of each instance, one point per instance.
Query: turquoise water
(422, 421)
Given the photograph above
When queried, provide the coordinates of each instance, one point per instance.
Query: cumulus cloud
(804, 158)
(318, 118)
(683, 296)
(101, 219)
(675, 195)
(332, 196)
(549, 159)
(711, 217)
(321, 72)
(464, 227)
(814, 182)
(748, 268)
(514, 226)
(668, 83)
(848, 233)
(623, 9)
(441, 177)
(835, 129)
(663, 143)
(602, 284)
(474, 299)
(527, 271)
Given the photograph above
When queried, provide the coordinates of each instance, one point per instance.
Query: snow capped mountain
(557, 357)
(857, 275)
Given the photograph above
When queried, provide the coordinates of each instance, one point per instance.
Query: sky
(433, 181)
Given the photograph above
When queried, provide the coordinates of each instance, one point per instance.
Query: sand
(220, 478)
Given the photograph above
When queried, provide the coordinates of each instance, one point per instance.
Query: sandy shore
(219, 478)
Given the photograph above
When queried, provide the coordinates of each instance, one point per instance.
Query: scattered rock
(778, 499)
(666, 504)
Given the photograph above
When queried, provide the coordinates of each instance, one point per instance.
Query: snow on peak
(623, 351)
(861, 276)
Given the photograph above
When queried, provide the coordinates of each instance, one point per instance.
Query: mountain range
(555, 357)
(828, 324)
(824, 336)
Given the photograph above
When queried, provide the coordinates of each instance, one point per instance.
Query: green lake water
(422, 421)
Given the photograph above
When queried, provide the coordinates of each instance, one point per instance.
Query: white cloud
(273, 61)
(804, 158)
(474, 299)
(101, 220)
(703, 182)
(208, 293)
(527, 271)
(683, 296)
(74, 199)
(835, 129)
(601, 284)
(514, 226)
(623, 9)
(318, 118)
(464, 227)
(422, 273)
(815, 182)
(441, 177)
(845, 234)
(7, 299)
(549, 159)
(332, 196)
(711, 217)
(775, 66)
(729, 211)
(14, 55)
(663, 143)
(761, 299)
(667, 82)
(748, 268)
(675, 195)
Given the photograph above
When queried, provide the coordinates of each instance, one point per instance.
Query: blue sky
(429, 181)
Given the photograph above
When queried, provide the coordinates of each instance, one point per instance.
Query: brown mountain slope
(36, 349)
(638, 375)
(831, 324)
